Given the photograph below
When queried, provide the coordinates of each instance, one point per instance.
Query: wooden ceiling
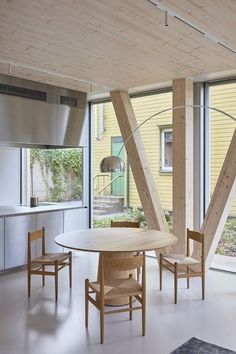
(101, 45)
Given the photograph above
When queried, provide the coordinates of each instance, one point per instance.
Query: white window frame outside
(163, 130)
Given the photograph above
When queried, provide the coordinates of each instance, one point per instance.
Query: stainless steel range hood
(25, 122)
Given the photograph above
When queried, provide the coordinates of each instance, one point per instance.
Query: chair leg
(138, 269)
(160, 268)
(203, 287)
(86, 302)
(138, 274)
(188, 278)
(70, 269)
(43, 276)
(176, 281)
(143, 315)
(130, 308)
(102, 324)
(56, 280)
(29, 283)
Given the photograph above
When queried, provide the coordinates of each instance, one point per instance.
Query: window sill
(168, 172)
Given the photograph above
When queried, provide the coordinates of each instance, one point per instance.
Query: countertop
(13, 210)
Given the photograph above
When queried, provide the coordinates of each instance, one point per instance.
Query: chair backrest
(198, 237)
(34, 236)
(134, 224)
(122, 264)
(118, 264)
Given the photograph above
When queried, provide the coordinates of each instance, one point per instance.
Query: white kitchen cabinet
(76, 219)
(53, 223)
(16, 236)
(1, 243)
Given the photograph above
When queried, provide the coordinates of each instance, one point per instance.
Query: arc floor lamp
(116, 164)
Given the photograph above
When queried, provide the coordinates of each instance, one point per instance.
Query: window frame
(26, 182)
(163, 130)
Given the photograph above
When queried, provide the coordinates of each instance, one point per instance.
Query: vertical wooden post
(219, 207)
(182, 161)
(138, 160)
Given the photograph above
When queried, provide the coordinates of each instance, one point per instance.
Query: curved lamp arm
(116, 164)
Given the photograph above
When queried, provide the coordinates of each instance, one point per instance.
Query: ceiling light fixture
(166, 18)
(170, 12)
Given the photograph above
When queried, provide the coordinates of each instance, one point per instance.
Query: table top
(116, 239)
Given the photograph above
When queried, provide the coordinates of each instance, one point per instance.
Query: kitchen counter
(13, 210)
(16, 221)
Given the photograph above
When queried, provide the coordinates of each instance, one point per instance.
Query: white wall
(9, 176)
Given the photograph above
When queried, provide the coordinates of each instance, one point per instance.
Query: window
(102, 135)
(221, 128)
(166, 149)
(56, 175)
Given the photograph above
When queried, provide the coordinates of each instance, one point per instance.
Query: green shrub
(62, 172)
(133, 214)
(227, 244)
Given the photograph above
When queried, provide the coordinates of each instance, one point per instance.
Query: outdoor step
(98, 212)
(110, 195)
(108, 207)
(104, 204)
(116, 199)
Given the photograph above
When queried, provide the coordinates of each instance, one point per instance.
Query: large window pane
(221, 130)
(109, 188)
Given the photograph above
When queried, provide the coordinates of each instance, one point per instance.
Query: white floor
(39, 326)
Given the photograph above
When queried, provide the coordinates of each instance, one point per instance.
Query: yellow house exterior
(221, 130)
(106, 128)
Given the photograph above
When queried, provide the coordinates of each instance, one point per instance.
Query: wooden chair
(38, 264)
(110, 289)
(134, 224)
(179, 264)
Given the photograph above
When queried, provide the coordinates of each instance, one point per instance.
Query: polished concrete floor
(40, 326)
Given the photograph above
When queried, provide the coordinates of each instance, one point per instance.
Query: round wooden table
(116, 239)
(116, 242)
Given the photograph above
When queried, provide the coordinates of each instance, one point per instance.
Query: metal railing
(99, 181)
(102, 189)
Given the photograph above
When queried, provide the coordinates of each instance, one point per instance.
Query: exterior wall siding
(221, 130)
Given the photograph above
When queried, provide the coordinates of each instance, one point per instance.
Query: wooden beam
(138, 160)
(182, 161)
(220, 204)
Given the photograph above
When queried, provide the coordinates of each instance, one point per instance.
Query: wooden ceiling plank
(119, 43)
